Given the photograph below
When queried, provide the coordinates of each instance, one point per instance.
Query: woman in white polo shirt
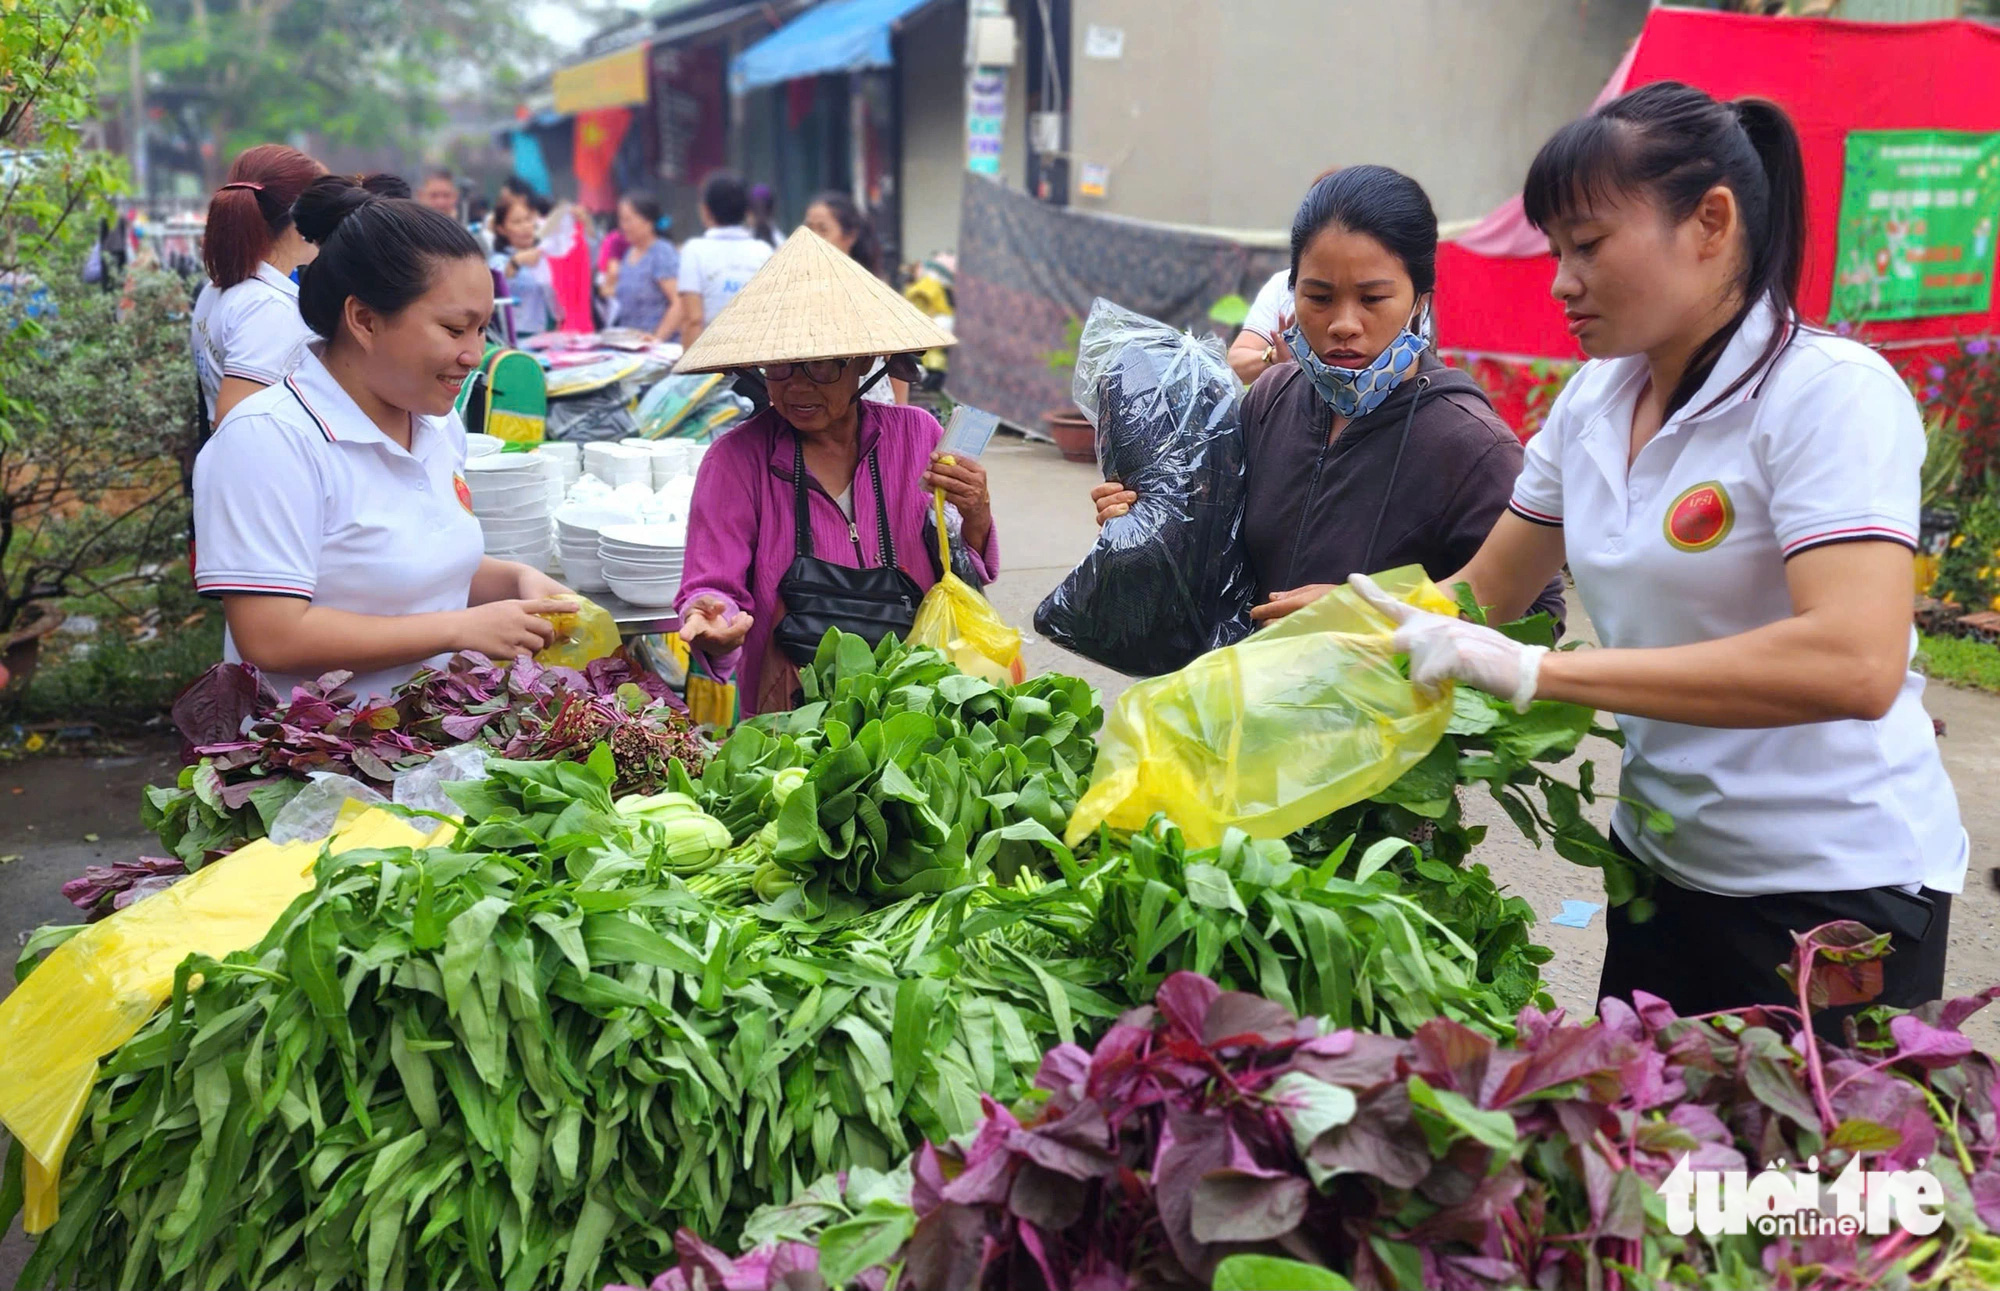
(247, 332)
(1736, 496)
(333, 521)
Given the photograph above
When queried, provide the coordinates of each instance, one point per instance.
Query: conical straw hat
(811, 301)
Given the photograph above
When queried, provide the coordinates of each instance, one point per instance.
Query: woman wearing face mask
(334, 523)
(1364, 451)
(817, 512)
(1737, 497)
(834, 216)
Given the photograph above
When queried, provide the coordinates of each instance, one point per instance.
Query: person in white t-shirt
(1736, 495)
(715, 265)
(332, 515)
(1261, 342)
(247, 333)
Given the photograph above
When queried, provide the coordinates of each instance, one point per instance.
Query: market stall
(939, 978)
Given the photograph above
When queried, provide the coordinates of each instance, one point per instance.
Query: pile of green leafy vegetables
(526, 1058)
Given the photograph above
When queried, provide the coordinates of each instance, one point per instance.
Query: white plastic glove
(1440, 647)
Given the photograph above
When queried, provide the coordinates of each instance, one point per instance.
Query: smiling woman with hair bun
(331, 512)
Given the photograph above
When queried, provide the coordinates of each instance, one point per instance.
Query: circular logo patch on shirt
(1700, 518)
(459, 487)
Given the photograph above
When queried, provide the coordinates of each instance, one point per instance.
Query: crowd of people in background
(639, 277)
(626, 267)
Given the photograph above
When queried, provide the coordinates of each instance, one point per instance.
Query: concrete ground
(58, 815)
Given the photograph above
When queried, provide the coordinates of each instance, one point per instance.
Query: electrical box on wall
(990, 41)
(1045, 131)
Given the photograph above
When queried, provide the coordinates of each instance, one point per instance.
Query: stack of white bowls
(618, 464)
(568, 458)
(671, 463)
(674, 502)
(510, 496)
(642, 562)
(577, 526)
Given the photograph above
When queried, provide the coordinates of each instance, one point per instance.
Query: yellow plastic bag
(97, 989)
(1270, 734)
(957, 621)
(712, 701)
(589, 634)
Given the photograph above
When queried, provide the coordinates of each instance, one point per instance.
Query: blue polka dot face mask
(1356, 392)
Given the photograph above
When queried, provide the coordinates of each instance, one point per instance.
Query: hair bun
(327, 202)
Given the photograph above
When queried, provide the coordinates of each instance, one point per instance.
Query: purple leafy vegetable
(1216, 1124)
(102, 889)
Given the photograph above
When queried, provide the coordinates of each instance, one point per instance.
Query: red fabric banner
(1833, 77)
(598, 134)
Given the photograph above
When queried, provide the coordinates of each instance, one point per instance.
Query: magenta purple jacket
(742, 535)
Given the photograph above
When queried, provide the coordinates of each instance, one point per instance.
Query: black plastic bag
(1166, 582)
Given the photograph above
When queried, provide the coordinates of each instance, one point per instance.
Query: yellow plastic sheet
(1270, 734)
(590, 633)
(960, 623)
(97, 989)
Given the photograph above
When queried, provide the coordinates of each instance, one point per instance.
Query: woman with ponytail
(247, 332)
(1736, 496)
(334, 520)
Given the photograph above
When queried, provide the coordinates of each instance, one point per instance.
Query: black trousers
(1701, 952)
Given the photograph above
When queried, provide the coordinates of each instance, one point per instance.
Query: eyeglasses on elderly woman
(818, 371)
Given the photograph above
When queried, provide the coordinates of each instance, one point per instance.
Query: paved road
(1045, 526)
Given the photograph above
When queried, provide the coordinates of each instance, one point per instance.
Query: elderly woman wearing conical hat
(817, 512)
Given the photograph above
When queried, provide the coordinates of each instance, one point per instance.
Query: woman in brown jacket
(1364, 451)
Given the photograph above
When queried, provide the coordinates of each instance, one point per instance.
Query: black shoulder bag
(818, 594)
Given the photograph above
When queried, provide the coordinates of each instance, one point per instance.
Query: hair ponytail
(252, 210)
(1674, 143)
(1778, 249)
(380, 250)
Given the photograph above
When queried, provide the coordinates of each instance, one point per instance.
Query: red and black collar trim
(311, 411)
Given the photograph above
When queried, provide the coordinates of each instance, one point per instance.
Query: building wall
(930, 62)
(1221, 112)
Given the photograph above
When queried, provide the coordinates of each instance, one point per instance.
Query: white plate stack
(618, 464)
(642, 562)
(510, 496)
(577, 525)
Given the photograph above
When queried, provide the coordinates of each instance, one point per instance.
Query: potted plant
(1067, 425)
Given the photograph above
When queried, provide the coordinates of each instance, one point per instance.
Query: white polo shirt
(252, 331)
(717, 264)
(1690, 545)
(300, 494)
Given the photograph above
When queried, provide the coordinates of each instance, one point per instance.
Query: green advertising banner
(1917, 209)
